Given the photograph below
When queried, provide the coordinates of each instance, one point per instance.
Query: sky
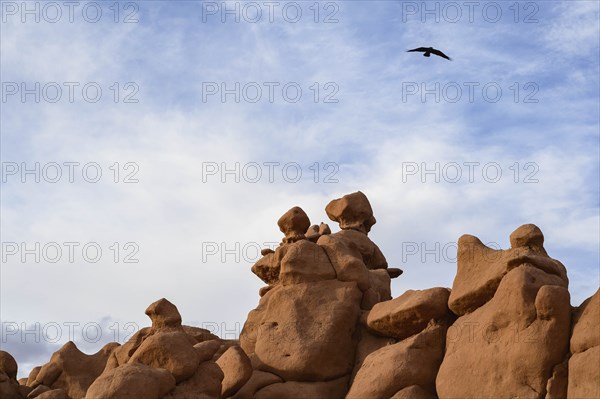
(149, 147)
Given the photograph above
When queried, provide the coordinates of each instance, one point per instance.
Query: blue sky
(366, 130)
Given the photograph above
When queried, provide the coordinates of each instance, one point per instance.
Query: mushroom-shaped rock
(410, 313)
(132, 380)
(237, 370)
(163, 315)
(352, 212)
(294, 224)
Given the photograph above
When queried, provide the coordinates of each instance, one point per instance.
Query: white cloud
(369, 133)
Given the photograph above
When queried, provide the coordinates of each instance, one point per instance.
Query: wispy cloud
(372, 129)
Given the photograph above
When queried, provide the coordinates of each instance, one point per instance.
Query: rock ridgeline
(326, 327)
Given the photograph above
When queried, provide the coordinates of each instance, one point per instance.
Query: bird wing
(421, 49)
(439, 53)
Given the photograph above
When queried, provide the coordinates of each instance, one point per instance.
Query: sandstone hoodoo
(326, 327)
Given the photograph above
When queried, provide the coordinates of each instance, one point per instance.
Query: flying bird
(428, 51)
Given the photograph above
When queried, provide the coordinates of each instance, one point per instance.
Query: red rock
(170, 350)
(266, 251)
(207, 349)
(413, 392)
(307, 330)
(324, 229)
(584, 364)
(304, 262)
(294, 224)
(24, 390)
(346, 260)
(54, 394)
(528, 235)
(372, 256)
(258, 379)
(37, 391)
(367, 344)
(556, 387)
(312, 234)
(236, 368)
(480, 268)
(8, 364)
(132, 380)
(163, 315)
(394, 367)
(73, 371)
(509, 346)
(9, 388)
(352, 211)
(584, 374)
(268, 267)
(199, 334)
(204, 384)
(253, 325)
(586, 322)
(394, 272)
(335, 389)
(409, 313)
(32, 374)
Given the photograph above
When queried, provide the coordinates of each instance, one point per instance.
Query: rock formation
(584, 363)
(514, 322)
(326, 326)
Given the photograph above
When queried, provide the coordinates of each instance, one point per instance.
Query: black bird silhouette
(428, 51)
